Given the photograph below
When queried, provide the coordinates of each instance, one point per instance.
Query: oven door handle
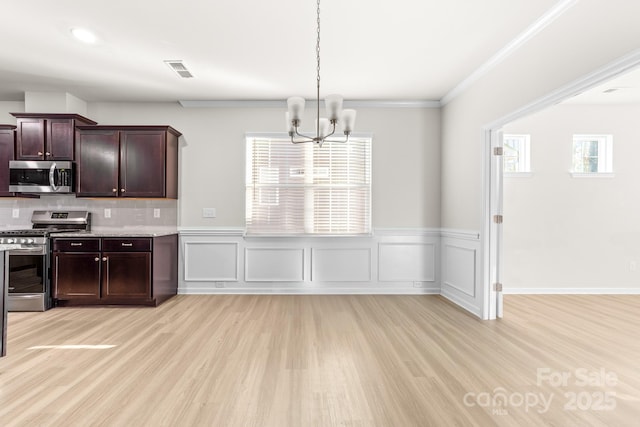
(24, 250)
(52, 177)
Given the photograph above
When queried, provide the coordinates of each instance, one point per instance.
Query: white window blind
(307, 189)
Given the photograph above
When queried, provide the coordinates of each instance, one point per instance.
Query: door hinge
(498, 219)
(498, 151)
(497, 287)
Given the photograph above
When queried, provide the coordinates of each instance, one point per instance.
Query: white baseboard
(571, 291)
(275, 290)
(464, 303)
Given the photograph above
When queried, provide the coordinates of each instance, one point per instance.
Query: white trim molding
(389, 261)
(398, 103)
(571, 291)
(540, 24)
(400, 261)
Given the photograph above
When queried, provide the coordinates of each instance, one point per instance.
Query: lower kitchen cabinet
(114, 270)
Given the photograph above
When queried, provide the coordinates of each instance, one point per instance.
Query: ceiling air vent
(179, 68)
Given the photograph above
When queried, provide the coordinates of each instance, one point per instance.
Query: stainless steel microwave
(41, 176)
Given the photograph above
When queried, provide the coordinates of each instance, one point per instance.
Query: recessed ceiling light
(83, 35)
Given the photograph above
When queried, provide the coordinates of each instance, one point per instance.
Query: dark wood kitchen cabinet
(47, 136)
(7, 147)
(114, 270)
(127, 269)
(76, 269)
(127, 161)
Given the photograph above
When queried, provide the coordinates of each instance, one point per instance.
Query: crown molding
(283, 103)
(616, 68)
(540, 24)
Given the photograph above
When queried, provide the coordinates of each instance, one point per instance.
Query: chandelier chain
(333, 103)
(318, 43)
(318, 73)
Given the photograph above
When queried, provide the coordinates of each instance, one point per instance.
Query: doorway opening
(493, 150)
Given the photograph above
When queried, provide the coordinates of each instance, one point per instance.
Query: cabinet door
(142, 163)
(97, 161)
(126, 275)
(76, 275)
(7, 138)
(30, 139)
(59, 141)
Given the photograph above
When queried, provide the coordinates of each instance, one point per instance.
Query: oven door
(28, 279)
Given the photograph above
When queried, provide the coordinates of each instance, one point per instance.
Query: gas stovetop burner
(46, 223)
(27, 232)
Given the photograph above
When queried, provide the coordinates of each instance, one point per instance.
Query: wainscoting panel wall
(341, 264)
(390, 261)
(274, 264)
(410, 262)
(208, 260)
(461, 280)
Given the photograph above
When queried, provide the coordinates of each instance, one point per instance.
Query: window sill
(517, 174)
(592, 175)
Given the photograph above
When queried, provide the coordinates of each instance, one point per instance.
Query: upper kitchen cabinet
(7, 146)
(46, 136)
(127, 161)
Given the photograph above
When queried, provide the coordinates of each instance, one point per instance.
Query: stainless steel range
(29, 272)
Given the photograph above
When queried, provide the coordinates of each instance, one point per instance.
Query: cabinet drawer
(76, 245)
(126, 245)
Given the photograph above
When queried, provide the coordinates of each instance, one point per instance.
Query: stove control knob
(22, 241)
(10, 241)
(30, 241)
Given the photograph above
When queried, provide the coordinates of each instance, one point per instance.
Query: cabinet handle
(47, 153)
(122, 190)
(115, 190)
(75, 244)
(104, 258)
(97, 258)
(127, 244)
(39, 153)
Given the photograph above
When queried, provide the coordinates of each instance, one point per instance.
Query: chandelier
(325, 127)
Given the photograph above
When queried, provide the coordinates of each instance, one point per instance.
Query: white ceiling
(622, 90)
(253, 49)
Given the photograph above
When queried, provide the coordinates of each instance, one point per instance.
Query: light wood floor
(325, 361)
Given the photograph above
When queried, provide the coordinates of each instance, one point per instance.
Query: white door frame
(491, 233)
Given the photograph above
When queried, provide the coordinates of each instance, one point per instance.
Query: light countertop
(9, 247)
(119, 233)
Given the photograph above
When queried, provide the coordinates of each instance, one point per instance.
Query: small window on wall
(592, 155)
(516, 154)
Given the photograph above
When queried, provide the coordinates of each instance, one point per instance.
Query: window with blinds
(308, 189)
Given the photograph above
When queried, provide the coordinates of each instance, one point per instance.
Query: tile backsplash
(124, 213)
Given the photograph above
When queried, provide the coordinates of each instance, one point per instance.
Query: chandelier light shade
(325, 127)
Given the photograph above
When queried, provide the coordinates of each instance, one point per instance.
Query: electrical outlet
(156, 213)
(107, 213)
(15, 213)
(208, 212)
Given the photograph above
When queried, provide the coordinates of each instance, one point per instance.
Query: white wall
(565, 234)
(562, 53)
(546, 62)
(405, 170)
(7, 107)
